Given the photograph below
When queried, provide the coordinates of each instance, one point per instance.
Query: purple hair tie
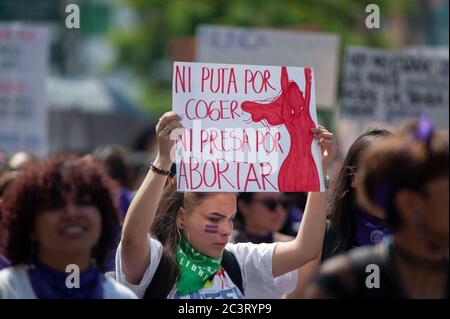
(424, 129)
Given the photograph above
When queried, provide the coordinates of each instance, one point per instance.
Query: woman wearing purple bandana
(349, 226)
(60, 219)
(405, 178)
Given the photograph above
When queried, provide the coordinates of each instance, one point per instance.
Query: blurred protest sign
(247, 128)
(392, 87)
(23, 69)
(274, 47)
(383, 88)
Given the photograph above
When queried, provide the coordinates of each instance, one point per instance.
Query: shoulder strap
(329, 243)
(162, 281)
(231, 266)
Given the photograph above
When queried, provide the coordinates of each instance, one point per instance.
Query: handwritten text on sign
(247, 128)
(391, 87)
(23, 68)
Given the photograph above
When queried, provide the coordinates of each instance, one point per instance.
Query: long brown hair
(164, 229)
(343, 199)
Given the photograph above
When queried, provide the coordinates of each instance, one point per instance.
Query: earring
(178, 232)
(188, 239)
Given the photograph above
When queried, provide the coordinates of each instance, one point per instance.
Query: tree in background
(144, 46)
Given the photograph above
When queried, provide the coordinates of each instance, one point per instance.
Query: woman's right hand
(136, 255)
(168, 122)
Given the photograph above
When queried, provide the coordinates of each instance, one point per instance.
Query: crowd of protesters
(387, 206)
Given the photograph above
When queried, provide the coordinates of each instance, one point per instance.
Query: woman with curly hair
(59, 215)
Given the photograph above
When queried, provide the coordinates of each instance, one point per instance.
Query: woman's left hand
(327, 142)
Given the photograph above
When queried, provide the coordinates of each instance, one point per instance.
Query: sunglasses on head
(272, 204)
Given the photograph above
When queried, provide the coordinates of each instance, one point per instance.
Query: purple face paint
(211, 229)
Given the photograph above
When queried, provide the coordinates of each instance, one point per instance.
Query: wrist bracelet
(170, 179)
(159, 170)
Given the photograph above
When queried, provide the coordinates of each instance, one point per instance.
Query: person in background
(145, 150)
(59, 215)
(8, 170)
(405, 178)
(349, 225)
(261, 215)
(296, 205)
(114, 159)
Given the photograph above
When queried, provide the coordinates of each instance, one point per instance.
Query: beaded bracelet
(164, 172)
(159, 170)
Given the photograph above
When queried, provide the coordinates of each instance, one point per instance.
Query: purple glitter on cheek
(211, 229)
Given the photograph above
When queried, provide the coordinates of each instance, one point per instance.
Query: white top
(15, 284)
(255, 261)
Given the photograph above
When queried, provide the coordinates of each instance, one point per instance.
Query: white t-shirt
(255, 262)
(15, 284)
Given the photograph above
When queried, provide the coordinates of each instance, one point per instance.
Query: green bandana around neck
(194, 268)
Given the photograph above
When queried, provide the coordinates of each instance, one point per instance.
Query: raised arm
(307, 245)
(139, 219)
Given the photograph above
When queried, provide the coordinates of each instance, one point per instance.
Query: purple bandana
(370, 230)
(4, 262)
(49, 283)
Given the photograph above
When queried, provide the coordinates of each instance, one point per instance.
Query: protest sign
(389, 87)
(247, 128)
(319, 50)
(23, 67)
(383, 88)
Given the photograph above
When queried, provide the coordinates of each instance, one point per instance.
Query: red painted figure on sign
(298, 172)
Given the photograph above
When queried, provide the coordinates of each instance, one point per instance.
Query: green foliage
(145, 45)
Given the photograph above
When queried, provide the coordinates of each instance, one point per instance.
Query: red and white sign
(247, 128)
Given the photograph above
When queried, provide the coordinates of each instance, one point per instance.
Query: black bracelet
(159, 170)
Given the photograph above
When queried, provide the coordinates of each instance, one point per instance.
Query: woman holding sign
(187, 254)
